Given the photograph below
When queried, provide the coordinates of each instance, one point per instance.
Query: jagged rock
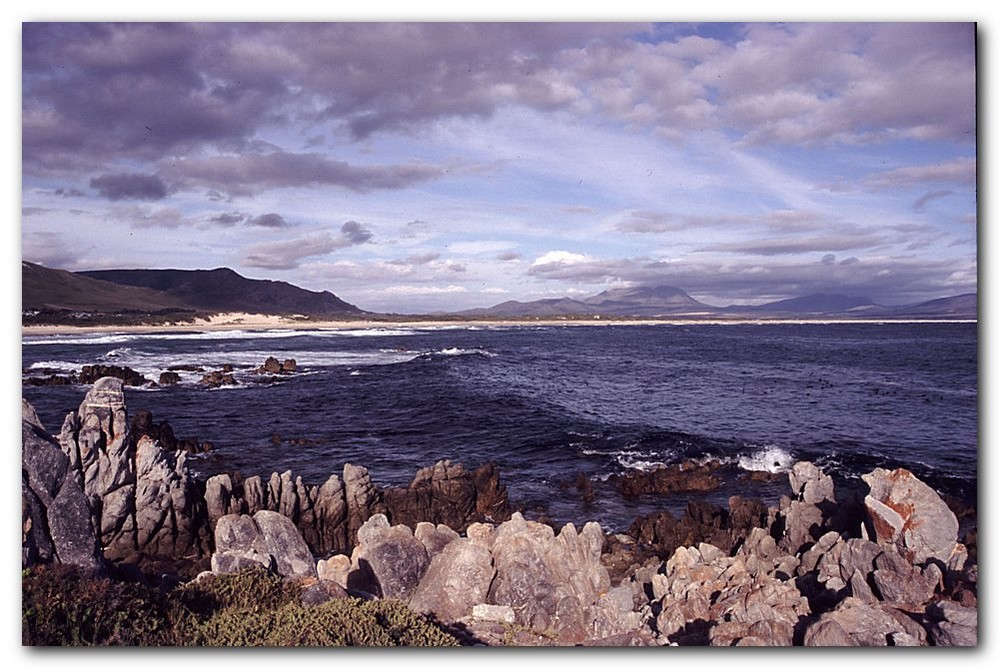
(289, 366)
(906, 512)
(169, 378)
(93, 373)
(549, 580)
(687, 476)
(57, 522)
(168, 507)
(953, 624)
(434, 537)
(266, 538)
(706, 597)
(101, 457)
(853, 623)
(802, 524)
(810, 484)
(270, 366)
(904, 585)
(457, 580)
(447, 494)
(217, 379)
(361, 497)
(388, 560)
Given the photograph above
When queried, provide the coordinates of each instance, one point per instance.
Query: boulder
(810, 484)
(57, 520)
(388, 561)
(289, 366)
(169, 378)
(456, 582)
(953, 624)
(128, 376)
(266, 538)
(854, 623)
(102, 458)
(270, 366)
(907, 513)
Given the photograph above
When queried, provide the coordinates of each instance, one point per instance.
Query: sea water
(547, 403)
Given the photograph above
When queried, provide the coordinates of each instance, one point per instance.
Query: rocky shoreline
(111, 496)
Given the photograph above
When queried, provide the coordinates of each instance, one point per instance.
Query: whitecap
(773, 459)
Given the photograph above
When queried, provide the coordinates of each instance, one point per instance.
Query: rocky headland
(115, 498)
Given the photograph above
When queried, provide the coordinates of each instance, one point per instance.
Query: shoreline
(260, 322)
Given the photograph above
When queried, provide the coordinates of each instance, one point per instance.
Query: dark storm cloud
(91, 91)
(129, 187)
(228, 219)
(355, 233)
(268, 221)
(250, 173)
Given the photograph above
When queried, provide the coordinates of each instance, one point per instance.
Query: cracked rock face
(905, 511)
(95, 439)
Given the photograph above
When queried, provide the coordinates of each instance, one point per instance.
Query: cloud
(268, 221)
(129, 187)
(355, 233)
(247, 174)
(139, 216)
(961, 171)
(558, 259)
(228, 219)
(897, 280)
(289, 253)
(803, 244)
(928, 197)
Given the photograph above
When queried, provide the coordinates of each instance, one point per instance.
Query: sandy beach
(245, 321)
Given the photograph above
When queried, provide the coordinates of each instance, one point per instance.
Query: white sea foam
(772, 459)
(463, 351)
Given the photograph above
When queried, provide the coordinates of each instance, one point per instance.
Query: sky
(416, 167)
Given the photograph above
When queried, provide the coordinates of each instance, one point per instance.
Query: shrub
(62, 606)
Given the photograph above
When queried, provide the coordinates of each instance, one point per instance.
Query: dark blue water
(547, 403)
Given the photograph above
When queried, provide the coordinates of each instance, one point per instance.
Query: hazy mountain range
(223, 290)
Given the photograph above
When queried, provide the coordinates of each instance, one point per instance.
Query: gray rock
(361, 496)
(810, 484)
(57, 519)
(166, 504)
(953, 624)
(803, 525)
(865, 624)
(906, 512)
(902, 584)
(457, 580)
(95, 439)
(268, 538)
(388, 561)
(434, 537)
(493, 612)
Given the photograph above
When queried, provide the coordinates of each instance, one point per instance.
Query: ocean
(547, 403)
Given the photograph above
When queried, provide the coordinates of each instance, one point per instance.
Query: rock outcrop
(56, 517)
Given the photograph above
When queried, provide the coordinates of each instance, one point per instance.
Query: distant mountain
(961, 306)
(671, 302)
(224, 290)
(58, 290)
(640, 301)
(818, 303)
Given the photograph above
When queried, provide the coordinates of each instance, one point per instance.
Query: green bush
(62, 606)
